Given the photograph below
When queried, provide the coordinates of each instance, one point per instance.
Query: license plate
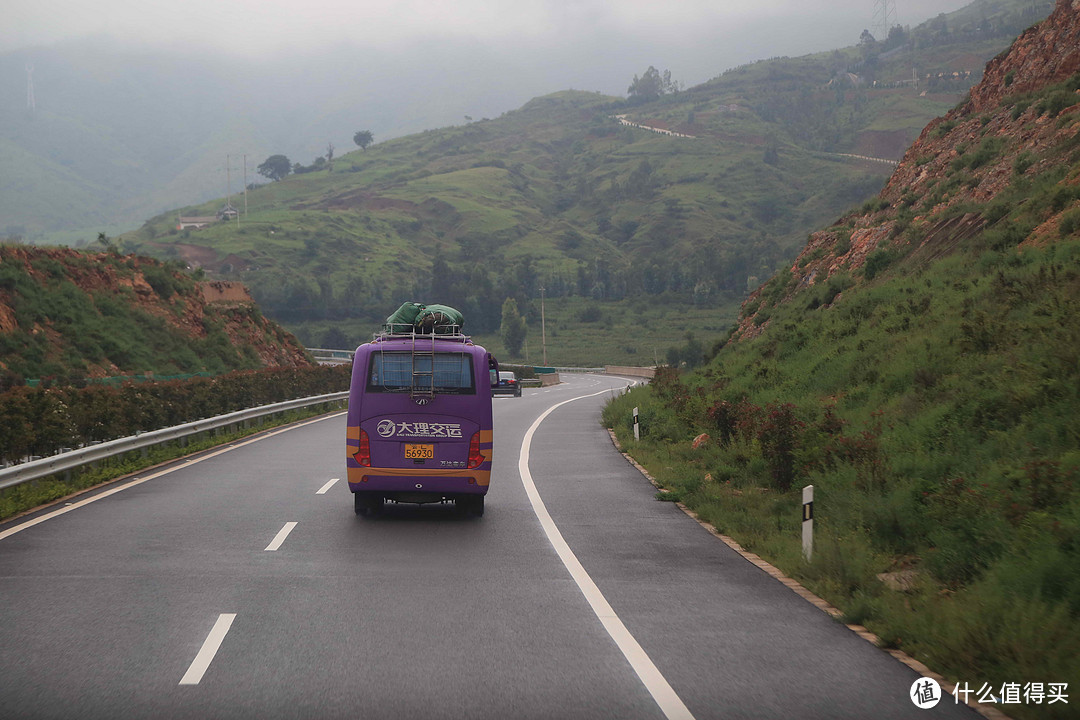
(414, 451)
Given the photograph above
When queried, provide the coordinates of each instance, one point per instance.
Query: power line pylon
(884, 18)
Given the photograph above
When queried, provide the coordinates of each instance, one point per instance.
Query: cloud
(258, 27)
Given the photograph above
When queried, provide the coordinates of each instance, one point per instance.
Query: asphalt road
(230, 587)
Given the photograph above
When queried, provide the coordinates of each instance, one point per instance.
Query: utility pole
(228, 184)
(228, 191)
(31, 105)
(245, 185)
(543, 326)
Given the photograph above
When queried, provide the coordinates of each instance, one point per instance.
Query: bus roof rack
(441, 332)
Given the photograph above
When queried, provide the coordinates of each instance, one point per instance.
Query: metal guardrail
(325, 356)
(64, 462)
(631, 371)
(326, 352)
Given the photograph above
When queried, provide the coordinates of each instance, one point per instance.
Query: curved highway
(239, 584)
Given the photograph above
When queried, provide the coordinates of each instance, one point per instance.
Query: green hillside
(664, 233)
(67, 316)
(919, 365)
(557, 195)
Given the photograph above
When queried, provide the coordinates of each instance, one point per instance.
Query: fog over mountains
(138, 116)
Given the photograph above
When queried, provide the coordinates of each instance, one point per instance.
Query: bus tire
(367, 504)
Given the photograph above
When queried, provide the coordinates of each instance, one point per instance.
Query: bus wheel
(472, 505)
(367, 504)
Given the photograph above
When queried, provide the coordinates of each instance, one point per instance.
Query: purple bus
(419, 422)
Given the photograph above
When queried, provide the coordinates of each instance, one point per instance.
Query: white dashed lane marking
(280, 537)
(209, 649)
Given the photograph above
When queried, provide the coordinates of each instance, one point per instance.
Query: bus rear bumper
(388, 481)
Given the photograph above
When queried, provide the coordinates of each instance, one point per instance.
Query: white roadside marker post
(807, 521)
(637, 427)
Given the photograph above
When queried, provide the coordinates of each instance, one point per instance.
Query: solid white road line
(280, 537)
(662, 692)
(209, 649)
(188, 462)
(327, 486)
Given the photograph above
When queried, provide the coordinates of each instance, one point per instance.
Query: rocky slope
(69, 314)
(1003, 164)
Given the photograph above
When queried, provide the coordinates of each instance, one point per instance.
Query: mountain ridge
(978, 150)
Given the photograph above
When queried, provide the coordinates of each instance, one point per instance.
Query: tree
(276, 167)
(772, 152)
(363, 138)
(330, 155)
(691, 354)
(648, 87)
(652, 85)
(512, 329)
(335, 339)
(896, 38)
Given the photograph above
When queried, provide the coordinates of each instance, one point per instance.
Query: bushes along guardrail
(43, 421)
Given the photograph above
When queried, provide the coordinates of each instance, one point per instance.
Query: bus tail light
(475, 458)
(363, 455)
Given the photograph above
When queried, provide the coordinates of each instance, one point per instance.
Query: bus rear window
(399, 371)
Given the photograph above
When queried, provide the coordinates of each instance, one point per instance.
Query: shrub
(42, 420)
(995, 211)
(943, 128)
(160, 279)
(1069, 223)
(779, 437)
(724, 418)
(876, 262)
(1055, 103)
(966, 536)
(590, 314)
(1022, 162)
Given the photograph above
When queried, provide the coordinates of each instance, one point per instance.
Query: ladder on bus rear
(422, 389)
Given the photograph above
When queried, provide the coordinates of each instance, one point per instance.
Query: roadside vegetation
(47, 419)
(935, 413)
(930, 393)
(34, 494)
(43, 420)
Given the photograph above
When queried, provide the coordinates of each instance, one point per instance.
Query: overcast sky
(696, 39)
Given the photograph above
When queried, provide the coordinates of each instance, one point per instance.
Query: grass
(934, 411)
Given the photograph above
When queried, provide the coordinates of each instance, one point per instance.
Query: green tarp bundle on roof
(417, 317)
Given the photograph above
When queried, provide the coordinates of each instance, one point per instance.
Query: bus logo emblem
(386, 428)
